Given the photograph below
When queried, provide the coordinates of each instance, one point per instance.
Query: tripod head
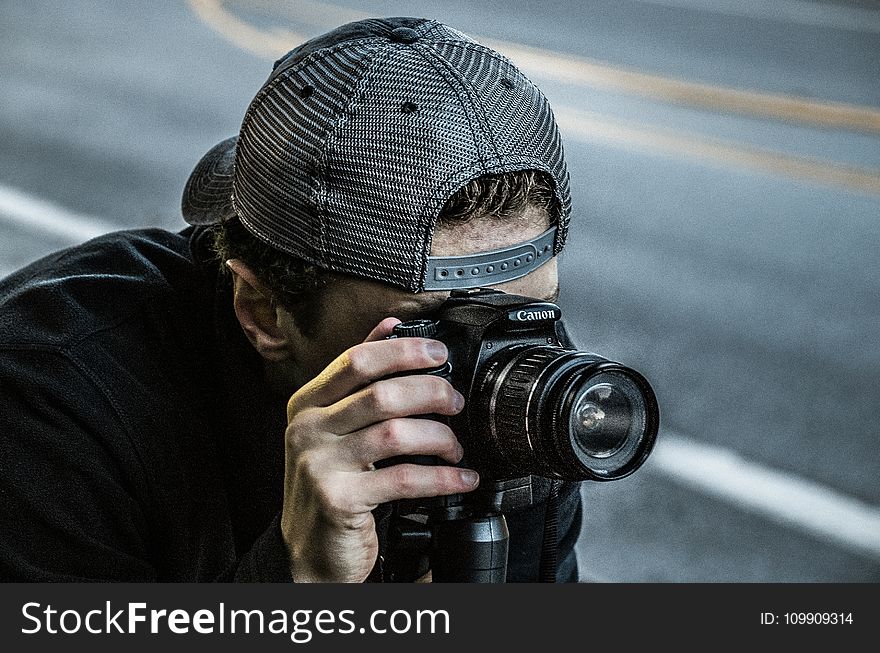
(461, 538)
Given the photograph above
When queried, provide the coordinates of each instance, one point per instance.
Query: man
(212, 405)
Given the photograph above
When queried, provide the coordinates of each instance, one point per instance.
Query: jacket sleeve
(67, 506)
(267, 561)
(76, 502)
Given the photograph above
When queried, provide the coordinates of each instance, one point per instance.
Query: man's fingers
(365, 363)
(409, 481)
(382, 330)
(401, 437)
(401, 396)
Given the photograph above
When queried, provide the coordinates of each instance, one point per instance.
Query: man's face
(352, 307)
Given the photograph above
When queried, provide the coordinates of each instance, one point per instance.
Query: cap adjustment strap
(489, 268)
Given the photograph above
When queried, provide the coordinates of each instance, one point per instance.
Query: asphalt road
(725, 161)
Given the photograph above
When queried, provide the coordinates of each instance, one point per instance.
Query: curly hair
(297, 284)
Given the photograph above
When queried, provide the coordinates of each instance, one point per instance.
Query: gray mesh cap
(354, 144)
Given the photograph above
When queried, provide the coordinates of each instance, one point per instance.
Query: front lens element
(603, 416)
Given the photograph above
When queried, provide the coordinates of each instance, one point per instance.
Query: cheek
(341, 327)
(333, 336)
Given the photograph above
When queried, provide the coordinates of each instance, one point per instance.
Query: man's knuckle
(309, 464)
(334, 499)
(295, 438)
(302, 429)
(382, 397)
(450, 480)
(306, 419)
(292, 407)
(391, 434)
(325, 499)
(405, 480)
(357, 362)
(335, 503)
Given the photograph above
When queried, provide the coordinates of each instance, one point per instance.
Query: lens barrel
(562, 414)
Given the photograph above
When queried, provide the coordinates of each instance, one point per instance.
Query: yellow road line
(574, 70)
(322, 15)
(568, 69)
(587, 126)
(590, 127)
(270, 45)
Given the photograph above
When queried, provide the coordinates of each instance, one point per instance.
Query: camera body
(535, 405)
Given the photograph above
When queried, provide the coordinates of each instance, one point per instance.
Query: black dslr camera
(536, 408)
(534, 404)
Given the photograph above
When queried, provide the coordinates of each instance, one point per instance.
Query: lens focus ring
(511, 404)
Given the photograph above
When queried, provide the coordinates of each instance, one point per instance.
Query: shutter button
(404, 35)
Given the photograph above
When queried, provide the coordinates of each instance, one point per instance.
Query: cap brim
(207, 196)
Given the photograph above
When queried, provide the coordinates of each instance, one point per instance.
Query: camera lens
(563, 414)
(607, 413)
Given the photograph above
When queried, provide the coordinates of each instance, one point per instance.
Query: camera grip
(419, 329)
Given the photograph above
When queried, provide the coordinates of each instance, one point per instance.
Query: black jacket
(138, 440)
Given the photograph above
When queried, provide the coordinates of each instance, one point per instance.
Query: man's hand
(343, 421)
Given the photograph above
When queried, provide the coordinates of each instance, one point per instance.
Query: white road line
(47, 218)
(718, 472)
(813, 14)
(780, 496)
